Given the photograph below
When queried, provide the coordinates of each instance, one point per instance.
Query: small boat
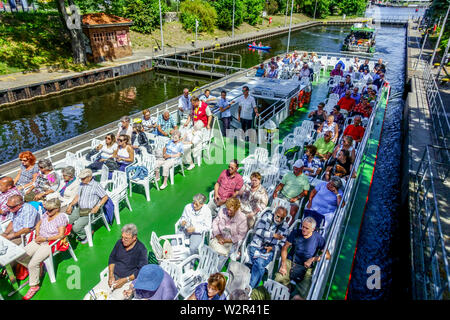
(257, 47)
(361, 39)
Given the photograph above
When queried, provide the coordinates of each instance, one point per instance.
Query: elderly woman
(229, 227)
(149, 123)
(125, 127)
(318, 116)
(171, 152)
(68, 189)
(331, 126)
(340, 166)
(50, 228)
(313, 165)
(324, 199)
(139, 139)
(195, 220)
(254, 198)
(211, 290)
(347, 144)
(124, 154)
(47, 181)
(106, 152)
(28, 171)
(192, 143)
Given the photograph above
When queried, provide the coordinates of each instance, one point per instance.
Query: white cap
(298, 163)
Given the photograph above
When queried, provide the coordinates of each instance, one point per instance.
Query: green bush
(200, 10)
(350, 7)
(272, 7)
(308, 6)
(224, 10)
(145, 14)
(253, 11)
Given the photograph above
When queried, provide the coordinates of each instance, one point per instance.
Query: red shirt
(229, 185)
(200, 113)
(355, 132)
(346, 103)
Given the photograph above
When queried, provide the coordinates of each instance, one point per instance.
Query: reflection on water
(36, 125)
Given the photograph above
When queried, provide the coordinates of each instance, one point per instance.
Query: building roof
(100, 19)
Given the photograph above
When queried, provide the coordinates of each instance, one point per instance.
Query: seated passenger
(312, 163)
(379, 82)
(24, 218)
(228, 185)
(304, 71)
(195, 219)
(340, 166)
(350, 72)
(365, 66)
(192, 144)
(272, 73)
(330, 126)
(270, 234)
(106, 152)
(7, 189)
(139, 139)
(293, 187)
(318, 116)
(28, 171)
(212, 290)
(340, 88)
(254, 198)
(228, 228)
(49, 229)
(149, 123)
(287, 59)
(337, 71)
(152, 283)
(166, 124)
(306, 243)
(362, 109)
(355, 95)
(68, 189)
(90, 199)
(365, 76)
(170, 154)
(125, 128)
(380, 65)
(124, 154)
(347, 144)
(324, 146)
(338, 117)
(324, 200)
(355, 130)
(47, 181)
(348, 82)
(347, 102)
(260, 71)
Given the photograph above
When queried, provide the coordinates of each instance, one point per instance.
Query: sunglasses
(11, 207)
(120, 140)
(107, 138)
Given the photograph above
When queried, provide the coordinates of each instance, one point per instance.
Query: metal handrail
(430, 237)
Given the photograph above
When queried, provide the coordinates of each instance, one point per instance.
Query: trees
(253, 11)
(350, 7)
(224, 9)
(144, 13)
(309, 6)
(198, 10)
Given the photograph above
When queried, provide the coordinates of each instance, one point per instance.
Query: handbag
(91, 153)
(111, 164)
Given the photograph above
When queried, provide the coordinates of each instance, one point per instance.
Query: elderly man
(125, 127)
(90, 199)
(380, 66)
(228, 185)
(355, 95)
(127, 258)
(364, 66)
(362, 109)
(270, 234)
(225, 112)
(340, 88)
(272, 73)
(324, 199)
(200, 112)
(347, 102)
(7, 190)
(24, 218)
(184, 104)
(304, 71)
(305, 245)
(195, 220)
(247, 105)
(206, 97)
(166, 124)
(324, 146)
(293, 187)
(355, 130)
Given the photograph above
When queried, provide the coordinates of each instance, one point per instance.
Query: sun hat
(298, 163)
(85, 173)
(149, 278)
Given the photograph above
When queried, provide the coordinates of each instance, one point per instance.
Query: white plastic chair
(178, 162)
(92, 219)
(148, 161)
(118, 192)
(277, 290)
(180, 249)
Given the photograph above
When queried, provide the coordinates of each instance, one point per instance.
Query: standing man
(90, 199)
(247, 105)
(184, 104)
(225, 112)
(207, 97)
(200, 112)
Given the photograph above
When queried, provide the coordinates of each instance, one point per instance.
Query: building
(108, 36)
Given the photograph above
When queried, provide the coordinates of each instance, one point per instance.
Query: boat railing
(342, 213)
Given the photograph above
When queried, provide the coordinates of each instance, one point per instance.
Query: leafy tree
(253, 10)
(272, 7)
(145, 14)
(309, 6)
(350, 6)
(224, 9)
(198, 10)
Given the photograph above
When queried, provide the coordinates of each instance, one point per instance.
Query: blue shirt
(305, 248)
(260, 72)
(166, 125)
(356, 97)
(174, 148)
(25, 217)
(324, 201)
(201, 293)
(224, 103)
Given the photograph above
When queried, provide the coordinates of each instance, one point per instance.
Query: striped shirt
(265, 230)
(50, 228)
(166, 125)
(4, 196)
(26, 175)
(25, 217)
(90, 194)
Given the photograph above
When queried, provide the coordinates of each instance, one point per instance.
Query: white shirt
(366, 77)
(185, 103)
(247, 106)
(107, 152)
(201, 220)
(204, 98)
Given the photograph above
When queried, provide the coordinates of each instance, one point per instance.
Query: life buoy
(292, 105)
